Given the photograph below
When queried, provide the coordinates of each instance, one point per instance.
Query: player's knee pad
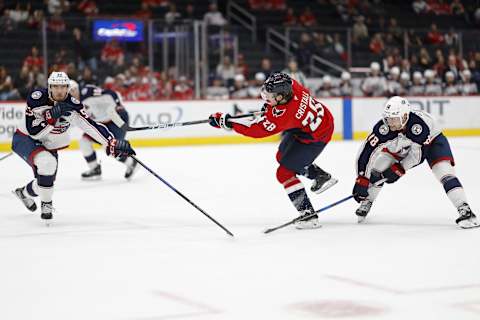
(445, 173)
(45, 163)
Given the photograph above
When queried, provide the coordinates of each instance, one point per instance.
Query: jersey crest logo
(36, 95)
(417, 129)
(277, 112)
(383, 129)
(74, 100)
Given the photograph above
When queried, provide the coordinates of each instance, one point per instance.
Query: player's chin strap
(188, 123)
(308, 216)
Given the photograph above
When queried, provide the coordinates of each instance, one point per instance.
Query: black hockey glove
(360, 190)
(220, 120)
(117, 148)
(58, 110)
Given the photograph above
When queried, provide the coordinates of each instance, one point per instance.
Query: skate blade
(33, 208)
(469, 225)
(361, 220)
(310, 227)
(330, 183)
(96, 178)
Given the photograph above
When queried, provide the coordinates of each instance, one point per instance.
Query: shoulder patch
(84, 91)
(36, 94)
(75, 101)
(417, 129)
(384, 129)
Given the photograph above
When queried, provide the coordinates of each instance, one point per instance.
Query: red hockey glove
(220, 120)
(394, 173)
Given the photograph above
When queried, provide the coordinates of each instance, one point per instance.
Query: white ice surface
(135, 250)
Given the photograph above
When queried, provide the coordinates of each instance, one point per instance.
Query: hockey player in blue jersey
(44, 130)
(400, 141)
(104, 106)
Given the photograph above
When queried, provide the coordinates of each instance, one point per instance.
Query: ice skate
(322, 181)
(27, 201)
(131, 168)
(467, 219)
(47, 212)
(363, 210)
(309, 223)
(93, 174)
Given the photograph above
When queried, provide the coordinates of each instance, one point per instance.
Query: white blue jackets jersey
(54, 137)
(406, 146)
(102, 104)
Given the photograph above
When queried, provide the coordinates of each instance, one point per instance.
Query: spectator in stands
(56, 23)
(453, 67)
(306, 48)
(434, 36)
(405, 67)
(394, 87)
(290, 18)
(439, 66)
(450, 87)
(190, 12)
(7, 91)
(35, 20)
(6, 23)
(275, 4)
(345, 86)
(34, 59)
(404, 84)
(440, 7)
(424, 60)
(266, 67)
(457, 8)
(413, 39)
(217, 91)
(60, 60)
(327, 89)
(83, 51)
(241, 67)
(420, 7)
(375, 85)
(144, 13)
(239, 89)
(59, 6)
(451, 38)
(27, 80)
(88, 8)
(19, 14)
(293, 71)
(376, 44)
(172, 15)
(433, 85)
(226, 71)
(467, 86)
(338, 47)
(112, 54)
(360, 30)
(87, 77)
(157, 3)
(417, 88)
(395, 30)
(307, 18)
(256, 85)
(214, 17)
(183, 89)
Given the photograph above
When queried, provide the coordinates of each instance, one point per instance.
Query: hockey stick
(187, 123)
(181, 195)
(6, 156)
(300, 218)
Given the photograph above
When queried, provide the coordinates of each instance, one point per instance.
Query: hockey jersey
(405, 145)
(54, 137)
(102, 105)
(307, 118)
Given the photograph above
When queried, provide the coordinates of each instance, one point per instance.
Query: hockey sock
(88, 153)
(295, 189)
(445, 173)
(45, 187)
(31, 189)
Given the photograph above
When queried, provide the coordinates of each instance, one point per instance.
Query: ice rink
(135, 250)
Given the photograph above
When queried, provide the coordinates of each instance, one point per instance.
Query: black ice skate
(28, 202)
(93, 174)
(322, 181)
(363, 210)
(47, 211)
(309, 223)
(467, 219)
(131, 168)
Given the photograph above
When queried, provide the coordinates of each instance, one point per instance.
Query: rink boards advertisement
(354, 118)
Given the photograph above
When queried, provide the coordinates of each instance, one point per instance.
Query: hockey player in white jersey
(44, 130)
(400, 141)
(103, 106)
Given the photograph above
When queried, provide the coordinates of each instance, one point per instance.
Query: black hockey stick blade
(308, 216)
(181, 195)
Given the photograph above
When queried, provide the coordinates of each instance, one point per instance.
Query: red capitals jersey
(304, 116)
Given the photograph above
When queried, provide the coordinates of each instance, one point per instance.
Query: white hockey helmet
(395, 71)
(374, 66)
(346, 76)
(404, 76)
(429, 74)
(74, 89)
(327, 79)
(396, 112)
(57, 78)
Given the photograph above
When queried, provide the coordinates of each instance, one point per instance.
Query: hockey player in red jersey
(307, 127)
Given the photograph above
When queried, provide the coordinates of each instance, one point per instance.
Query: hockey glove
(117, 148)
(220, 120)
(360, 190)
(58, 110)
(394, 173)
